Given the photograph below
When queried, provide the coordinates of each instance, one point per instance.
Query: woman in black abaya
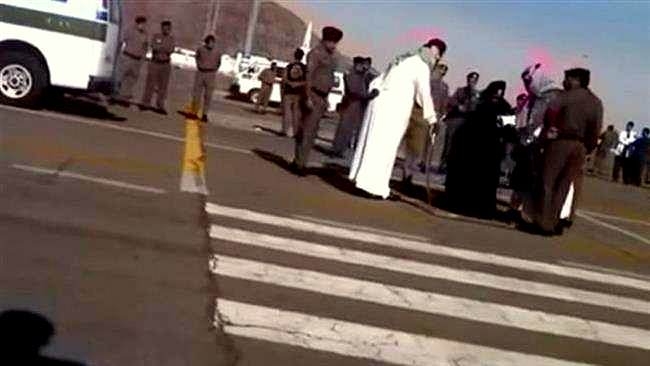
(474, 164)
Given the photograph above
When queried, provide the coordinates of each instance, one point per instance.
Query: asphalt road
(272, 269)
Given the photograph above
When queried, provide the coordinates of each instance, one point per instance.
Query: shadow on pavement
(22, 336)
(335, 175)
(419, 197)
(275, 159)
(84, 107)
(268, 130)
(415, 195)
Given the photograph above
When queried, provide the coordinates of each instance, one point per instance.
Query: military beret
(332, 34)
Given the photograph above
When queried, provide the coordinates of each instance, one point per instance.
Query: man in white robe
(405, 82)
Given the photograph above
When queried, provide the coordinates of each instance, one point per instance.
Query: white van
(72, 44)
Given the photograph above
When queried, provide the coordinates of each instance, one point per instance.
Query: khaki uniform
(415, 139)
(267, 77)
(577, 115)
(292, 98)
(158, 70)
(320, 75)
(134, 53)
(355, 102)
(459, 105)
(207, 63)
(440, 95)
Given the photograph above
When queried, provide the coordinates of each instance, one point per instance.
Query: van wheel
(23, 79)
(254, 96)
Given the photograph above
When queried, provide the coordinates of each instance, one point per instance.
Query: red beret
(332, 34)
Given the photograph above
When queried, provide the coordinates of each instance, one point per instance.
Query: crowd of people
(544, 139)
(135, 46)
(554, 127)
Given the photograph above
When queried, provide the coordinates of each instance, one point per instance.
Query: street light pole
(213, 16)
(252, 21)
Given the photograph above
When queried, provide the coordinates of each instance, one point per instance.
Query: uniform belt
(206, 70)
(132, 56)
(319, 93)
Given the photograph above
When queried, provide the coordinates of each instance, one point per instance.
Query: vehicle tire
(254, 96)
(23, 78)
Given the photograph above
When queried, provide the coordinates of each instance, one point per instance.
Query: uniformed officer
(134, 52)
(208, 59)
(267, 77)
(353, 107)
(321, 65)
(293, 93)
(159, 69)
(571, 127)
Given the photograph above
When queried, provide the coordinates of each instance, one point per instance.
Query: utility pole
(250, 32)
(213, 17)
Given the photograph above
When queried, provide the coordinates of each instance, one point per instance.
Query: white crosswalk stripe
(395, 346)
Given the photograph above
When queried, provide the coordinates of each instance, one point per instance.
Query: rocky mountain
(277, 34)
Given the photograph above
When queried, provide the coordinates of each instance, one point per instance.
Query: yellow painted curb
(193, 163)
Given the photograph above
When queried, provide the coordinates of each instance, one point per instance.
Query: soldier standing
(159, 68)
(293, 90)
(570, 132)
(267, 77)
(208, 59)
(134, 52)
(355, 100)
(319, 81)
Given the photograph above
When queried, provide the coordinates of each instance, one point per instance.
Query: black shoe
(513, 216)
(562, 225)
(144, 108)
(160, 111)
(204, 119)
(534, 229)
(298, 170)
(407, 183)
(120, 102)
(188, 114)
(364, 194)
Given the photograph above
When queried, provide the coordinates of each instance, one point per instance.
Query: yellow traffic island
(193, 170)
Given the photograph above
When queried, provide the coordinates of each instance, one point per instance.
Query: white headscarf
(541, 80)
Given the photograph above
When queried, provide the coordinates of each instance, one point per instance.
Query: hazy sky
(500, 38)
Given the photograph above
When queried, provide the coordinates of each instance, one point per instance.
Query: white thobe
(385, 123)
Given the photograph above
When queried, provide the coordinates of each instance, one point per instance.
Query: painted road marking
(110, 126)
(427, 270)
(358, 340)
(194, 157)
(359, 228)
(429, 302)
(605, 270)
(424, 247)
(614, 227)
(88, 178)
(615, 218)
